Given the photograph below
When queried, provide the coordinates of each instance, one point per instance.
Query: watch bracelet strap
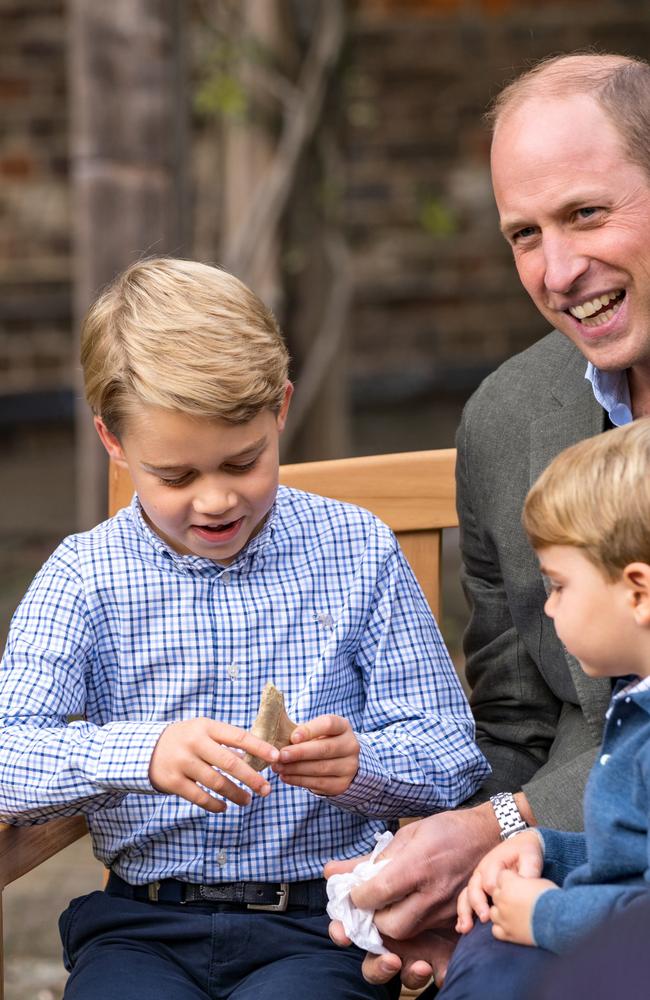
(510, 820)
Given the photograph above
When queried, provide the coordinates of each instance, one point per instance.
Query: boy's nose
(214, 501)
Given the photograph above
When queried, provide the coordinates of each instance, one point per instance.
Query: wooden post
(127, 166)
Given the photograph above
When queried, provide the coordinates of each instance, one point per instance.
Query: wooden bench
(413, 492)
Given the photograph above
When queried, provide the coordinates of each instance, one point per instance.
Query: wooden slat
(410, 491)
(423, 552)
(120, 488)
(25, 847)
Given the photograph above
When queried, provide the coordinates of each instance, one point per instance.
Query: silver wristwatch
(508, 816)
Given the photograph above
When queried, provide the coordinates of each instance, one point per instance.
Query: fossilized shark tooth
(271, 724)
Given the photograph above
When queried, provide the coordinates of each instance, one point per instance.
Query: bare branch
(328, 340)
(259, 223)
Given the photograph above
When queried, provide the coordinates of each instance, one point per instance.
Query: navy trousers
(483, 968)
(125, 949)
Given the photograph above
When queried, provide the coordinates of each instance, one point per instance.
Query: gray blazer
(539, 717)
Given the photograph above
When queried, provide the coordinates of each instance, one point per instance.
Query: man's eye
(523, 234)
(587, 212)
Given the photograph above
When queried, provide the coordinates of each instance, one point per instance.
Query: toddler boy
(588, 518)
(160, 628)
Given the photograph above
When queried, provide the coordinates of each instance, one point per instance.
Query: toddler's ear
(636, 577)
(110, 442)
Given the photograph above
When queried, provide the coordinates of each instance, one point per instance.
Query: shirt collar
(199, 564)
(612, 391)
(634, 689)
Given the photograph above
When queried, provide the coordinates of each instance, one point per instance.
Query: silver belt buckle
(279, 907)
(152, 891)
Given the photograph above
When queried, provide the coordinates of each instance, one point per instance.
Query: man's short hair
(619, 84)
(182, 336)
(595, 496)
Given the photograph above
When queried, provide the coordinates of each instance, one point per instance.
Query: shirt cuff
(125, 754)
(563, 853)
(367, 786)
(542, 919)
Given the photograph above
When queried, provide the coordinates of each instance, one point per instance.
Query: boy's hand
(522, 854)
(324, 756)
(197, 751)
(514, 899)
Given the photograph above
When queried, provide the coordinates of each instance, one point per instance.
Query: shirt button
(225, 577)
(619, 722)
(605, 757)
(233, 670)
(221, 858)
(628, 700)
(620, 414)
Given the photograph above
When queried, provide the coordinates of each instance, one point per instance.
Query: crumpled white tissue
(358, 924)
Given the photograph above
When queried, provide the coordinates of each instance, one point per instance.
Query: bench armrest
(25, 847)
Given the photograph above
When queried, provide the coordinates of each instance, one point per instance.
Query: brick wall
(35, 337)
(436, 292)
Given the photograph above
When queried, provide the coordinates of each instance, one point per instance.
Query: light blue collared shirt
(612, 391)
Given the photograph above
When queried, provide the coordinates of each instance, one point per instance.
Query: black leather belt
(274, 897)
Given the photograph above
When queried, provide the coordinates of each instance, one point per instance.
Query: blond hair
(182, 336)
(619, 84)
(595, 496)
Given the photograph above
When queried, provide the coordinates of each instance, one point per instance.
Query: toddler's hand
(513, 901)
(197, 751)
(324, 756)
(522, 854)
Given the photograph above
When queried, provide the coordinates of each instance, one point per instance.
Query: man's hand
(196, 753)
(324, 756)
(522, 854)
(431, 860)
(416, 960)
(514, 899)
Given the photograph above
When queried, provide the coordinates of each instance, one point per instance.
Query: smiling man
(571, 175)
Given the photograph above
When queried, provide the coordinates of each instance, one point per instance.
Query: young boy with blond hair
(588, 518)
(160, 627)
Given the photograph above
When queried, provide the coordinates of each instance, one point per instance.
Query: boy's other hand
(522, 854)
(513, 902)
(324, 756)
(196, 753)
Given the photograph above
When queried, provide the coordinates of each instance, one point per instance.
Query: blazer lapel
(576, 415)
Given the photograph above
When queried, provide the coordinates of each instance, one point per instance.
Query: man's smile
(596, 311)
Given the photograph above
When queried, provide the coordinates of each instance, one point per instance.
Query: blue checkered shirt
(121, 630)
